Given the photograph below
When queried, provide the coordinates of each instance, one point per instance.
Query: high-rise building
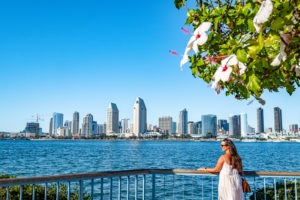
(124, 125)
(51, 126)
(68, 124)
(104, 128)
(223, 125)
(191, 128)
(58, 119)
(100, 129)
(244, 125)
(260, 120)
(75, 123)
(64, 131)
(87, 126)
(209, 125)
(32, 129)
(139, 117)
(94, 128)
(294, 128)
(112, 122)
(174, 125)
(251, 129)
(235, 125)
(277, 120)
(182, 123)
(198, 128)
(165, 124)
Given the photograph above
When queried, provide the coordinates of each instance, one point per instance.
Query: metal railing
(146, 184)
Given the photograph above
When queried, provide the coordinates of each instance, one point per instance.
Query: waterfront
(36, 158)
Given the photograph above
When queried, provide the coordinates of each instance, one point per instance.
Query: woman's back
(230, 183)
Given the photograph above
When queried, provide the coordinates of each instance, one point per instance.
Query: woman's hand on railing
(202, 169)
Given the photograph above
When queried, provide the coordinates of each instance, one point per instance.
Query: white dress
(230, 183)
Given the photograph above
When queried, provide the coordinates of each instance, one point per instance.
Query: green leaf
(277, 24)
(242, 55)
(260, 41)
(254, 84)
(253, 50)
(179, 3)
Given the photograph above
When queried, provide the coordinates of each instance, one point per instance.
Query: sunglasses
(223, 145)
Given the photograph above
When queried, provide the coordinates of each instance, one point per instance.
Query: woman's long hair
(236, 160)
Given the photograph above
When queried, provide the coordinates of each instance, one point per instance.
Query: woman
(229, 165)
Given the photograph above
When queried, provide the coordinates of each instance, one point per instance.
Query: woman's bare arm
(218, 167)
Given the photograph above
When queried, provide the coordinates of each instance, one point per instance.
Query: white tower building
(139, 117)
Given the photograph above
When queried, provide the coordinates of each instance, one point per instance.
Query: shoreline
(161, 140)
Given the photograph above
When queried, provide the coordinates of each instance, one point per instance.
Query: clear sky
(65, 56)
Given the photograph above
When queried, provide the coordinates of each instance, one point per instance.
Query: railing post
(173, 186)
(296, 189)
(111, 188)
(33, 192)
(21, 192)
(136, 188)
(120, 190)
(153, 186)
(212, 187)
(46, 191)
(275, 192)
(57, 191)
(7, 193)
(69, 190)
(101, 189)
(183, 187)
(285, 196)
(92, 188)
(80, 190)
(144, 188)
(265, 192)
(254, 188)
(128, 187)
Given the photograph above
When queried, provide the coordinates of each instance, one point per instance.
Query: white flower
(223, 73)
(263, 14)
(199, 38)
(280, 56)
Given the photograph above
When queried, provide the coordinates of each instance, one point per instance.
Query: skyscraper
(223, 125)
(124, 125)
(191, 128)
(277, 120)
(165, 124)
(260, 120)
(174, 125)
(244, 125)
(75, 123)
(235, 125)
(198, 128)
(112, 119)
(51, 127)
(182, 123)
(87, 126)
(209, 125)
(94, 128)
(139, 117)
(58, 119)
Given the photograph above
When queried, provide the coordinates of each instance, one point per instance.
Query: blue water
(36, 158)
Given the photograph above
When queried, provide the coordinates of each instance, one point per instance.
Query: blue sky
(66, 56)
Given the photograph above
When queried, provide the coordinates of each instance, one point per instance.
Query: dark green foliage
(233, 32)
(14, 192)
(290, 187)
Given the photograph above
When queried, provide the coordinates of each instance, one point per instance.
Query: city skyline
(67, 60)
(62, 120)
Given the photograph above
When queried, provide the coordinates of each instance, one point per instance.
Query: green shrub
(14, 191)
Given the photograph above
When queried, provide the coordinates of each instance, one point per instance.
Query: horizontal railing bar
(83, 176)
